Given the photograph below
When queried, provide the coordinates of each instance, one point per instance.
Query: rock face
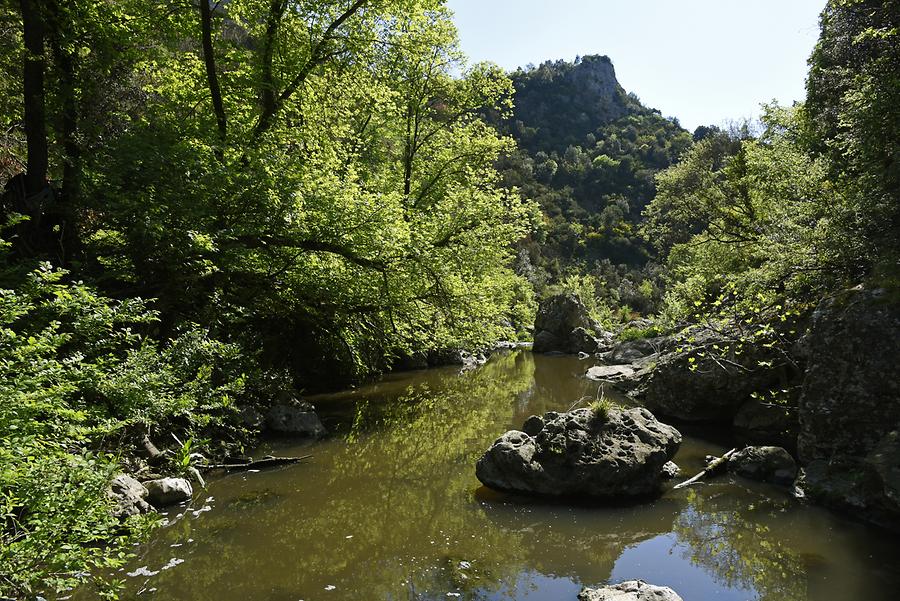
(692, 387)
(632, 590)
(582, 454)
(632, 350)
(758, 422)
(563, 325)
(129, 495)
(168, 491)
(850, 406)
(766, 464)
(295, 418)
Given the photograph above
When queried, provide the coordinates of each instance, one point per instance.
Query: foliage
(854, 104)
(636, 333)
(600, 409)
(747, 226)
(303, 188)
(76, 377)
(587, 155)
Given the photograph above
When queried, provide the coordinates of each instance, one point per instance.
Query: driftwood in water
(715, 466)
(263, 463)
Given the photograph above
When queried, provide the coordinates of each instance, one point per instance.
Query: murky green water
(391, 509)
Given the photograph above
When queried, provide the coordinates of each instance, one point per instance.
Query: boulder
(632, 590)
(766, 464)
(563, 325)
(849, 407)
(296, 418)
(129, 495)
(168, 491)
(581, 453)
(691, 385)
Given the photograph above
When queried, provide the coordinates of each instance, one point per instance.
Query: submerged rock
(130, 497)
(766, 464)
(296, 418)
(168, 491)
(632, 590)
(563, 325)
(849, 407)
(581, 453)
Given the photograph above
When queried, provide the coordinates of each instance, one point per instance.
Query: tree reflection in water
(738, 547)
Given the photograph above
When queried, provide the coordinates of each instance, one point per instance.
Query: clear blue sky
(703, 61)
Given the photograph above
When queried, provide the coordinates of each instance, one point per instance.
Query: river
(388, 507)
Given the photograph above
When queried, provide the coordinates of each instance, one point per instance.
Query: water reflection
(391, 510)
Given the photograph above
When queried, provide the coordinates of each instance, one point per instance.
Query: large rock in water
(632, 590)
(581, 453)
(563, 325)
(850, 406)
(693, 386)
(297, 418)
(766, 464)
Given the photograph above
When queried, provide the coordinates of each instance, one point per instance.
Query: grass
(600, 409)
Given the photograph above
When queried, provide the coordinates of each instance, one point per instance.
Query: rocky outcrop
(632, 590)
(630, 351)
(563, 325)
(761, 422)
(129, 496)
(295, 418)
(766, 464)
(168, 491)
(708, 380)
(582, 453)
(849, 408)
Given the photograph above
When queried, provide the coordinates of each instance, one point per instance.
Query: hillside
(588, 153)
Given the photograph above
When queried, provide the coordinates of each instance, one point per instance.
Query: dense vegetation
(588, 154)
(206, 206)
(210, 205)
(759, 227)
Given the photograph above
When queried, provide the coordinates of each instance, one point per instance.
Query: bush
(76, 376)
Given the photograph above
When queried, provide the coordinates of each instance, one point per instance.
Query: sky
(706, 62)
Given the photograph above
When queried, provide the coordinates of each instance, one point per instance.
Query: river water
(389, 508)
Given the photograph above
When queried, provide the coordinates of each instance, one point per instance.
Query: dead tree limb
(714, 467)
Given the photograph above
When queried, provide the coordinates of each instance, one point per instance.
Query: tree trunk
(33, 92)
(212, 77)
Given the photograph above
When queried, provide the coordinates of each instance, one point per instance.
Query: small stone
(671, 470)
(632, 590)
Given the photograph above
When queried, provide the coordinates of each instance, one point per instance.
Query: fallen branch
(712, 469)
(263, 463)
